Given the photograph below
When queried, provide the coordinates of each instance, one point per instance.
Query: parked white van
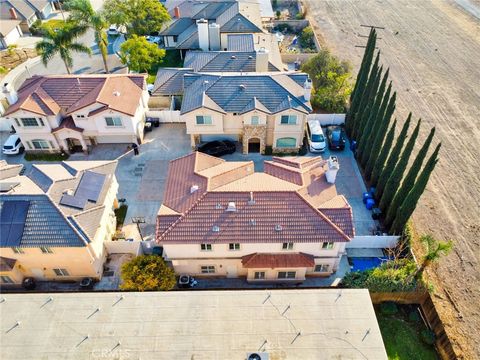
(316, 140)
(13, 145)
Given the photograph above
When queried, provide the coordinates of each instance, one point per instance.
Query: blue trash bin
(370, 204)
(353, 145)
(366, 196)
(372, 191)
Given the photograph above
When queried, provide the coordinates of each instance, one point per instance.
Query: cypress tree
(409, 180)
(372, 80)
(363, 65)
(395, 178)
(362, 79)
(392, 159)
(372, 145)
(410, 202)
(372, 170)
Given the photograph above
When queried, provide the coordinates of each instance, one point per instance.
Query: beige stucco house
(258, 110)
(71, 112)
(221, 218)
(55, 220)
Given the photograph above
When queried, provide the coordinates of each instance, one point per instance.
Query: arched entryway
(74, 145)
(253, 145)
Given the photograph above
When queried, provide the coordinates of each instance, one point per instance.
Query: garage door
(231, 137)
(115, 139)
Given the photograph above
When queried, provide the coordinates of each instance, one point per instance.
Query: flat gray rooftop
(287, 324)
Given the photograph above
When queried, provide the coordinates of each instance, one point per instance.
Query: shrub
(147, 273)
(268, 150)
(278, 13)
(46, 156)
(413, 316)
(285, 28)
(35, 29)
(427, 336)
(307, 38)
(388, 308)
(299, 16)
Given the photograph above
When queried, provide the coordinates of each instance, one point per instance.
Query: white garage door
(115, 139)
(206, 138)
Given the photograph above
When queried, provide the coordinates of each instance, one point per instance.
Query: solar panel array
(12, 222)
(88, 189)
(73, 201)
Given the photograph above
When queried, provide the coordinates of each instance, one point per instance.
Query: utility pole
(139, 220)
(366, 36)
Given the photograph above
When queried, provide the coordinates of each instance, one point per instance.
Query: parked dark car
(336, 138)
(157, 250)
(218, 148)
(86, 283)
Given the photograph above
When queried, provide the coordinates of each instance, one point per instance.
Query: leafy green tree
(435, 250)
(380, 126)
(82, 12)
(62, 42)
(307, 38)
(410, 202)
(140, 17)
(330, 78)
(140, 55)
(375, 167)
(395, 178)
(147, 273)
(409, 181)
(392, 159)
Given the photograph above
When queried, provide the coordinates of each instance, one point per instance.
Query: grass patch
(402, 338)
(172, 59)
(54, 24)
(151, 79)
(121, 213)
(46, 156)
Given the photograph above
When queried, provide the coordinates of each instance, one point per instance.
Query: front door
(232, 271)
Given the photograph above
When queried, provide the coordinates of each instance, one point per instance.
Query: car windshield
(7, 147)
(318, 138)
(336, 135)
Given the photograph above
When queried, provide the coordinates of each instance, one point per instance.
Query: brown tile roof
(284, 173)
(49, 95)
(342, 218)
(7, 264)
(67, 123)
(273, 261)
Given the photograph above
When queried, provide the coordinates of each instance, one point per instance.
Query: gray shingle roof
(239, 24)
(240, 42)
(178, 26)
(44, 225)
(213, 10)
(169, 81)
(235, 93)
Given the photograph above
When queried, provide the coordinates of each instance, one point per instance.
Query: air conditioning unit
(257, 356)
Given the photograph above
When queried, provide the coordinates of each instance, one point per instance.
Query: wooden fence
(424, 300)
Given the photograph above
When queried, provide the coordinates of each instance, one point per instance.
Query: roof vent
(231, 206)
(278, 228)
(253, 222)
(233, 57)
(218, 206)
(193, 189)
(215, 228)
(251, 201)
(242, 87)
(116, 93)
(205, 82)
(250, 57)
(69, 192)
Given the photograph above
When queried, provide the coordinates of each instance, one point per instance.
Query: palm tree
(83, 13)
(435, 249)
(61, 41)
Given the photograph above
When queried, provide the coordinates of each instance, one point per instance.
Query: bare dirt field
(432, 48)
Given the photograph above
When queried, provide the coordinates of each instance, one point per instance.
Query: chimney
(307, 87)
(202, 28)
(10, 93)
(231, 206)
(176, 12)
(261, 64)
(214, 36)
(333, 167)
(13, 13)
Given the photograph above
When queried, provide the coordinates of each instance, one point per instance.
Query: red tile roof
(67, 123)
(273, 261)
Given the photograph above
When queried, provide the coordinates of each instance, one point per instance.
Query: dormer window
(29, 122)
(254, 120)
(204, 120)
(80, 116)
(288, 120)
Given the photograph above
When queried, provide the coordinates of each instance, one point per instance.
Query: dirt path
(433, 51)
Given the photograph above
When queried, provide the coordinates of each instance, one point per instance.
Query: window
(287, 246)
(208, 269)
(234, 246)
(206, 247)
(288, 120)
(254, 120)
(286, 143)
(61, 272)
(17, 122)
(287, 274)
(259, 275)
(322, 268)
(80, 116)
(328, 245)
(41, 122)
(18, 250)
(113, 121)
(29, 121)
(6, 279)
(46, 250)
(40, 144)
(204, 120)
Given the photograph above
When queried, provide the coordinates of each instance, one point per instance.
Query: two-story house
(55, 220)
(258, 110)
(221, 218)
(70, 112)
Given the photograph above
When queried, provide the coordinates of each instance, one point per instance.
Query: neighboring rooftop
(54, 94)
(241, 93)
(23, 9)
(6, 26)
(286, 324)
(55, 205)
(169, 81)
(210, 200)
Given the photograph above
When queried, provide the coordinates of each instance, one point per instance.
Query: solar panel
(73, 201)
(90, 186)
(12, 218)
